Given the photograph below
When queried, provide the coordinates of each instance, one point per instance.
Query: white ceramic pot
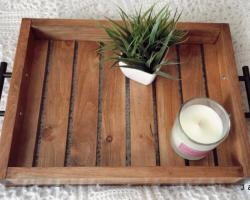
(137, 75)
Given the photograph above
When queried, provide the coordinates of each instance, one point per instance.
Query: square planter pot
(137, 75)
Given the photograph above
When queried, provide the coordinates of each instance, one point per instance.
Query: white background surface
(234, 12)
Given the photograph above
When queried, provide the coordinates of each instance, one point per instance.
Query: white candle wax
(202, 124)
(199, 128)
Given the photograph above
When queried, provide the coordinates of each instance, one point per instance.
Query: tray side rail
(231, 98)
(12, 116)
(67, 29)
(121, 175)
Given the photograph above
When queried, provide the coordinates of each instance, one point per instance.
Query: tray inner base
(77, 111)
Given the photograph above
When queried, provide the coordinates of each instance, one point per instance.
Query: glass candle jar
(201, 125)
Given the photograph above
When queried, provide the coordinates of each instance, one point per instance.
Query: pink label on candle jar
(191, 152)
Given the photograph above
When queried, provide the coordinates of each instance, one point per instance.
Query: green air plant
(142, 41)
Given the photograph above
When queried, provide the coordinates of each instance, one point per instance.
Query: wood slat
(124, 175)
(22, 151)
(168, 103)
(56, 105)
(12, 109)
(113, 135)
(224, 150)
(85, 112)
(193, 84)
(142, 125)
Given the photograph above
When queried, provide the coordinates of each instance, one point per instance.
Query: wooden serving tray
(71, 119)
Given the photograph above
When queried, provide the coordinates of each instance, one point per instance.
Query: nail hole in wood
(109, 138)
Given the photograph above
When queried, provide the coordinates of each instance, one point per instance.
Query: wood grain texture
(206, 33)
(124, 175)
(142, 125)
(51, 168)
(212, 27)
(13, 97)
(193, 84)
(56, 106)
(22, 151)
(68, 29)
(113, 143)
(224, 150)
(232, 100)
(83, 148)
(168, 103)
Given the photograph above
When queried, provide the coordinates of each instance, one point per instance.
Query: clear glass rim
(220, 107)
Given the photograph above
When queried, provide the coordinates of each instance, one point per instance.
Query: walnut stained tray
(71, 119)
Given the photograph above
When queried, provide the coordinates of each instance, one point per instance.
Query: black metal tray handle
(246, 79)
(3, 75)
